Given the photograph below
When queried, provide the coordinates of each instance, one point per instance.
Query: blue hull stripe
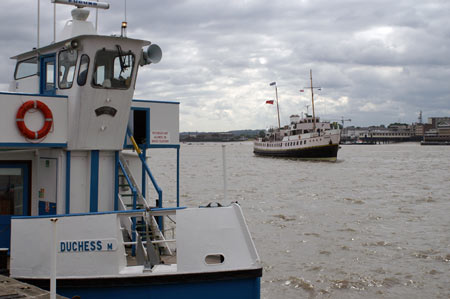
(68, 182)
(239, 288)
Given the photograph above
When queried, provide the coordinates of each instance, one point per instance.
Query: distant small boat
(305, 137)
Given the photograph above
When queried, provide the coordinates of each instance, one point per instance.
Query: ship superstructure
(79, 203)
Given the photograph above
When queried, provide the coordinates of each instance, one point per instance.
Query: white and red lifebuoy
(48, 119)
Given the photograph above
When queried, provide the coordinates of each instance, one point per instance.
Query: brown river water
(374, 224)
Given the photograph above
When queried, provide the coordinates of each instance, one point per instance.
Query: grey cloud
(377, 61)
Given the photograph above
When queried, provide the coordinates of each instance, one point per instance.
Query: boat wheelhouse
(79, 203)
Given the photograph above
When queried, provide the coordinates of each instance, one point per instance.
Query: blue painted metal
(147, 169)
(133, 227)
(133, 219)
(47, 208)
(178, 176)
(23, 144)
(44, 59)
(154, 101)
(143, 188)
(152, 178)
(164, 146)
(116, 180)
(79, 214)
(26, 180)
(68, 160)
(133, 189)
(5, 220)
(221, 289)
(167, 209)
(130, 146)
(33, 94)
(94, 181)
(5, 231)
(155, 184)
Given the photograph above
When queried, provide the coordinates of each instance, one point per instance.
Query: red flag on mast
(269, 102)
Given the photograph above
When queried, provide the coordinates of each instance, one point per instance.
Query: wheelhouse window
(50, 75)
(26, 68)
(83, 70)
(113, 69)
(67, 62)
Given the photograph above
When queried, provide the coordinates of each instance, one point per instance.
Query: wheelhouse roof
(60, 44)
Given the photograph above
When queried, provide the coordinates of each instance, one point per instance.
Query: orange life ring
(48, 119)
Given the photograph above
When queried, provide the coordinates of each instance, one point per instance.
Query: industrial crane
(344, 120)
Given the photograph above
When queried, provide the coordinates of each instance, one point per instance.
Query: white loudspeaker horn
(154, 54)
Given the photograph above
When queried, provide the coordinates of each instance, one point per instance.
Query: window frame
(22, 61)
(116, 55)
(87, 69)
(59, 69)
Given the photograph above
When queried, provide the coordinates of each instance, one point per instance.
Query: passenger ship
(300, 139)
(81, 212)
(304, 138)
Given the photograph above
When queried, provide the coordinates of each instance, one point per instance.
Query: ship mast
(312, 101)
(312, 98)
(276, 96)
(278, 108)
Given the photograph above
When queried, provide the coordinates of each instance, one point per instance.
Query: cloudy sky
(377, 61)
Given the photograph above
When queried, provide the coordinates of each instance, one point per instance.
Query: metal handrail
(133, 219)
(133, 189)
(147, 169)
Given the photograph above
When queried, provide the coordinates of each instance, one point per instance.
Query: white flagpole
(224, 174)
(53, 252)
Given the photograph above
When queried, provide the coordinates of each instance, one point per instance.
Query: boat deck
(165, 259)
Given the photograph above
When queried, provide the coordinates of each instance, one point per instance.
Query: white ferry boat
(81, 212)
(305, 137)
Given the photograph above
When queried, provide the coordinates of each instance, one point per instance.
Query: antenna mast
(96, 19)
(38, 21)
(123, 30)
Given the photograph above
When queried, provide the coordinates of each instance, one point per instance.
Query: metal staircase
(144, 232)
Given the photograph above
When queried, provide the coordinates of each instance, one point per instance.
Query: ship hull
(321, 152)
(229, 284)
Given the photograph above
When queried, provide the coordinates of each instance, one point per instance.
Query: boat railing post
(54, 252)
(224, 172)
(133, 223)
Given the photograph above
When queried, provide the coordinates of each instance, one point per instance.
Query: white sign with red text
(159, 137)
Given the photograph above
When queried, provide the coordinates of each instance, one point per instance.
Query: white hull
(307, 146)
